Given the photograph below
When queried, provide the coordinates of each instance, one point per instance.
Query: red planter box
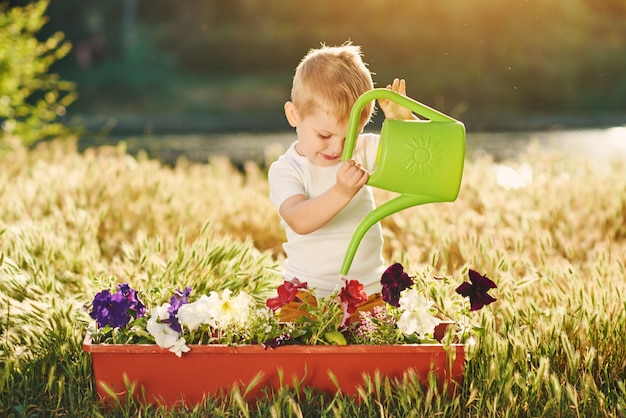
(209, 369)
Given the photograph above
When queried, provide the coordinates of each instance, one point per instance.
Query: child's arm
(307, 215)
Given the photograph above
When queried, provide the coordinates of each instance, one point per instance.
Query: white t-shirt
(316, 258)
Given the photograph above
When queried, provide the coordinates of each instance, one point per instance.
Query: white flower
(416, 317)
(197, 313)
(165, 336)
(217, 310)
(228, 311)
(179, 347)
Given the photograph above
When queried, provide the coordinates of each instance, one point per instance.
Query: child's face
(321, 138)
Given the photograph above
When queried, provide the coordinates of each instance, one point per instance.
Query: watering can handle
(380, 93)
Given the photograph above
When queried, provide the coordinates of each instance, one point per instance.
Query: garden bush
(31, 97)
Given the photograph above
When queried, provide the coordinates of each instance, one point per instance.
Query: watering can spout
(422, 160)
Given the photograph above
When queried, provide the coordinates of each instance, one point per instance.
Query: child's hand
(393, 110)
(351, 176)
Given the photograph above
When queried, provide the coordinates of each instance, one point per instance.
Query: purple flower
(394, 281)
(110, 309)
(176, 301)
(117, 309)
(136, 306)
(477, 290)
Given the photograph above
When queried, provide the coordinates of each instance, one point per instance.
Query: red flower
(286, 294)
(351, 296)
(394, 281)
(477, 290)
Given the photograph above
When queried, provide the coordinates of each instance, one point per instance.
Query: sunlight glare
(617, 136)
(511, 178)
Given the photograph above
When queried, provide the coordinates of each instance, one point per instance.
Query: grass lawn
(553, 345)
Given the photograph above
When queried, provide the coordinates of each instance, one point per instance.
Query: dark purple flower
(273, 343)
(176, 301)
(110, 309)
(136, 306)
(477, 290)
(394, 281)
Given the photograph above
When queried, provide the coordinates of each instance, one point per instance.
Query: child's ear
(292, 114)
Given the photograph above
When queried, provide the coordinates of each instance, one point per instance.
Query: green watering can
(422, 160)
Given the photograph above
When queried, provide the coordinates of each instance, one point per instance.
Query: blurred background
(162, 67)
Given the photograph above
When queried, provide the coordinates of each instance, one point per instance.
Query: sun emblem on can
(421, 155)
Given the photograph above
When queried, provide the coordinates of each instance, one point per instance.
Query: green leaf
(478, 330)
(335, 338)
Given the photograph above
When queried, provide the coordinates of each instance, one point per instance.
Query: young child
(321, 199)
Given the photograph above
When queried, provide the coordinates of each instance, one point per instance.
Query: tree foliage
(31, 97)
(537, 56)
(543, 55)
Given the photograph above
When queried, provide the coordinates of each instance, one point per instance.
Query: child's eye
(322, 136)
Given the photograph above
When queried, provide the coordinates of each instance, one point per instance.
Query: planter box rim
(91, 347)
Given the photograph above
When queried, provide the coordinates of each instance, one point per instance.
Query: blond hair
(332, 78)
